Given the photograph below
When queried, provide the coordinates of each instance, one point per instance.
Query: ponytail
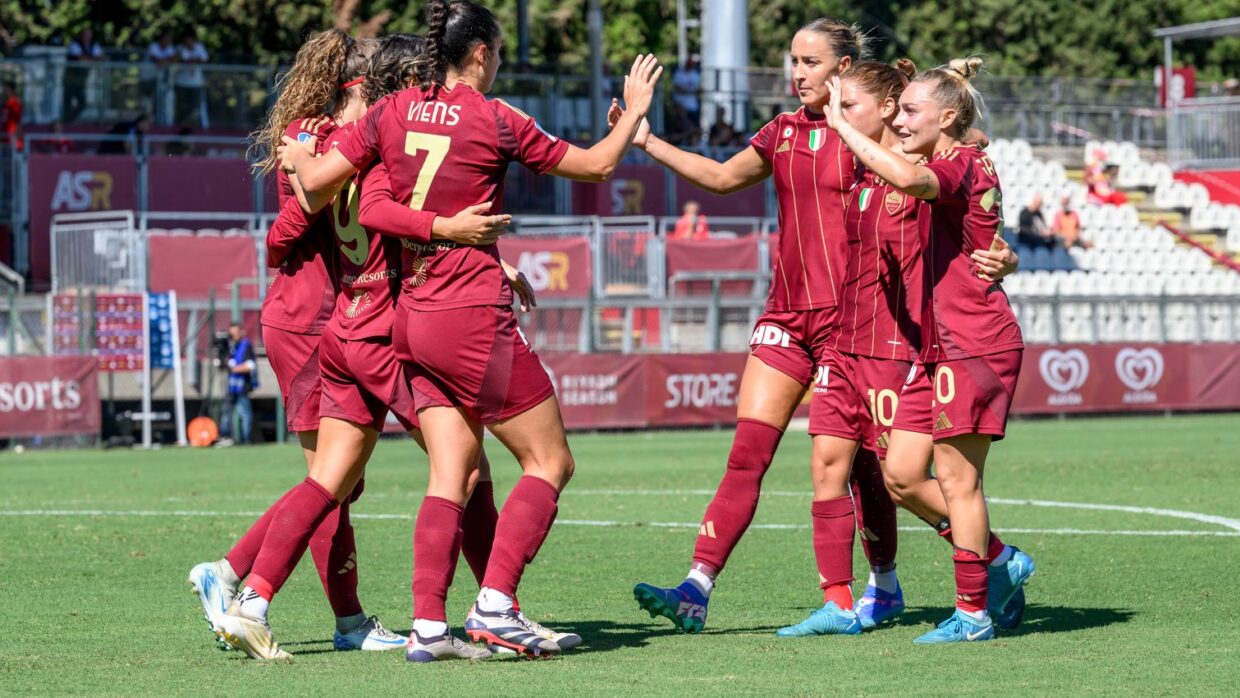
(845, 39)
(453, 30)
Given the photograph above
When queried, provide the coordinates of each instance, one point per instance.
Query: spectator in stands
(682, 130)
(687, 88)
(159, 55)
(188, 80)
(242, 380)
(135, 133)
(1033, 231)
(10, 117)
(721, 132)
(1101, 183)
(1066, 226)
(181, 146)
(83, 49)
(692, 224)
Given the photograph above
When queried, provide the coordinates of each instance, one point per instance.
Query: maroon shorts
(475, 358)
(855, 397)
(363, 380)
(793, 341)
(961, 396)
(295, 360)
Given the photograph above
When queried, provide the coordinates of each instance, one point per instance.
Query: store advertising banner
(599, 391)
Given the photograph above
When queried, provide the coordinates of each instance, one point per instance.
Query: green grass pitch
(1127, 600)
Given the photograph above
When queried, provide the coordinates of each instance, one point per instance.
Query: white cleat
(214, 594)
(250, 635)
(370, 636)
(433, 649)
(565, 641)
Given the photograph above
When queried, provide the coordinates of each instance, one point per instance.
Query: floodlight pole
(594, 24)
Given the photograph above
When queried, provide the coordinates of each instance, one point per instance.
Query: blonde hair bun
(968, 68)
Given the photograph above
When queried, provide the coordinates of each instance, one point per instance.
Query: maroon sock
(303, 509)
(971, 578)
(335, 557)
(241, 557)
(994, 546)
(436, 546)
(876, 513)
(736, 499)
(478, 528)
(520, 531)
(833, 541)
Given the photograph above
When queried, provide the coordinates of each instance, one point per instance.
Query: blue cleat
(1014, 613)
(370, 636)
(828, 620)
(1004, 584)
(684, 605)
(959, 628)
(877, 606)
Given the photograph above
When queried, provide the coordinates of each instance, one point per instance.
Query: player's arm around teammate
(971, 342)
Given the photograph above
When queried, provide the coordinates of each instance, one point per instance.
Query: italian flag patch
(866, 195)
(816, 137)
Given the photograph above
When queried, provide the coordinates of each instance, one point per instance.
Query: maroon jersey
(813, 175)
(368, 264)
(963, 316)
(303, 292)
(447, 150)
(880, 295)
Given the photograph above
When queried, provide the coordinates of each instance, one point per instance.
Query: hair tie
(355, 81)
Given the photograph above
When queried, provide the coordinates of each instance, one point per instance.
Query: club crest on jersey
(816, 138)
(867, 195)
(417, 272)
(304, 136)
(893, 201)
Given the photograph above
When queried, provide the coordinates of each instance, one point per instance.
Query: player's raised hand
(997, 262)
(614, 115)
(474, 226)
(520, 285)
(639, 84)
(835, 105)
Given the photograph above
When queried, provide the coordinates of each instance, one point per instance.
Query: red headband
(356, 81)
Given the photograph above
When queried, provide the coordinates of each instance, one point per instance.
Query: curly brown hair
(310, 88)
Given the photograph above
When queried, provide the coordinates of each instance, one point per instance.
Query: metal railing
(1204, 133)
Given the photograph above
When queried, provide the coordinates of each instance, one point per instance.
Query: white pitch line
(593, 523)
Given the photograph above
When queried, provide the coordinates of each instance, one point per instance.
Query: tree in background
(1105, 39)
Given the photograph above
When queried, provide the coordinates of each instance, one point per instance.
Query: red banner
(747, 202)
(49, 396)
(692, 389)
(192, 266)
(739, 254)
(633, 190)
(557, 267)
(1129, 378)
(199, 184)
(73, 184)
(1223, 185)
(598, 391)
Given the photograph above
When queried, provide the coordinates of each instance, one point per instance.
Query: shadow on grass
(1039, 618)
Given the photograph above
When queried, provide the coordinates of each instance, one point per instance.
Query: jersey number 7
(436, 148)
